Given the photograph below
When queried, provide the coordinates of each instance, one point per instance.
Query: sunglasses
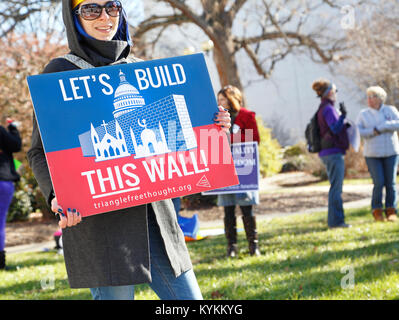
(92, 11)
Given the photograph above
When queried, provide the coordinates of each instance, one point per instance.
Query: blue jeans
(335, 166)
(383, 172)
(164, 283)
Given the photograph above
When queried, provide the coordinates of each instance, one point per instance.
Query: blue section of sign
(121, 97)
(246, 162)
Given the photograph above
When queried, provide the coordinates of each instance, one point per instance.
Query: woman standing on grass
(10, 142)
(243, 129)
(334, 143)
(377, 125)
(110, 253)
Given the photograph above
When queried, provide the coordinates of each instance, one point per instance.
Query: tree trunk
(225, 60)
(226, 64)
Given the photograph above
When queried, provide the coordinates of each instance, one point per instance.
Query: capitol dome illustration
(126, 97)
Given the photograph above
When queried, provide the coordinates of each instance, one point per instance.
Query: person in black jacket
(10, 142)
(110, 253)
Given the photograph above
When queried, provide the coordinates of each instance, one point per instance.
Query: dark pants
(230, 212)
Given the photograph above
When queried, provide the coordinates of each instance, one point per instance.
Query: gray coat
(110, 249)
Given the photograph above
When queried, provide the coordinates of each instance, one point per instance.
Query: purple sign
(246, 162)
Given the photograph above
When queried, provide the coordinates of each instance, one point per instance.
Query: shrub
(27, 198)
(270, 151)
(355, 164)
(21, 205)
(297, 158)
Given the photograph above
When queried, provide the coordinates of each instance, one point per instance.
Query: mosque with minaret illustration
(137, 130)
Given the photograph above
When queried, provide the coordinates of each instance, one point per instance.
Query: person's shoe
(342, 225)
(2, 260)
(391, 214)
(378, 215)
(252, 235)
(232, 250)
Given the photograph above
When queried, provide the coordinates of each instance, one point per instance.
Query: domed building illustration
(150, 145)
(126, 97)
(139, 131)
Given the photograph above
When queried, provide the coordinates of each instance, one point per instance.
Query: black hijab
(96, 52)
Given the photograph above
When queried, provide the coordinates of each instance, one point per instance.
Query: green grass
(301, 259)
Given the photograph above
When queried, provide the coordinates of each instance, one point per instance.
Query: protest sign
(125, 135)
(246, 161)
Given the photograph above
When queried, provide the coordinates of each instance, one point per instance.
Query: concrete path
(33, 247)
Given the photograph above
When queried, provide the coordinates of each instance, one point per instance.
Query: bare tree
(267, 31)
(375, 49)
(21, 56)
(27, 16)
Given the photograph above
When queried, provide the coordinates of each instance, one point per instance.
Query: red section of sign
(97, 187)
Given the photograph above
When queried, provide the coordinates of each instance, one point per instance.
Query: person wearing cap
(110, 253)
(334, 143)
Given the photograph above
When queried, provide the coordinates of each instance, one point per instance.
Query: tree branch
(236, 7)
(159, 21)
(303, 40)
(186, 11)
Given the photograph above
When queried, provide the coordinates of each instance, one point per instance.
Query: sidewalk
(33, 247)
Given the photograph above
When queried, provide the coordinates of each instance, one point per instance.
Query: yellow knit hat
(75, 3)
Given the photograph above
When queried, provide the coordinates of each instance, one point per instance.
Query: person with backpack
(378, 125)
(111, 252)
(333, 145)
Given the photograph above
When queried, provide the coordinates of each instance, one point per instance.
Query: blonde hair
(377, 92)
(233, 96)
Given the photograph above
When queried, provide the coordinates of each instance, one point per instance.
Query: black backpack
(312, 135)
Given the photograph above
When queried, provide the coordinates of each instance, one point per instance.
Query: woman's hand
(70, 219)
(222, 119)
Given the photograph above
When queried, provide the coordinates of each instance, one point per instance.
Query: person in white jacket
(377, 126)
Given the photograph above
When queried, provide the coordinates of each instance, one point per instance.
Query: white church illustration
(109, 147)
(136, 129)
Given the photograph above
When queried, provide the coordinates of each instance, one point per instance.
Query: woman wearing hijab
(110, 253)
